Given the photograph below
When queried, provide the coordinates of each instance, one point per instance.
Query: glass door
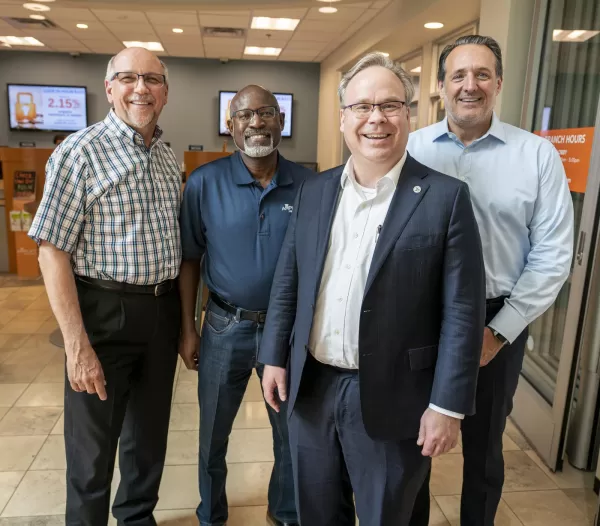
(565, 110)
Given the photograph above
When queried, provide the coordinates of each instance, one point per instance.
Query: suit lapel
(408, 194)
(329, 198)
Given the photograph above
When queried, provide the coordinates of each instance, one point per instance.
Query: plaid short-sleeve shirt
(113, 203)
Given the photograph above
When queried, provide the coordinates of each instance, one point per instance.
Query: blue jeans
(228, 352)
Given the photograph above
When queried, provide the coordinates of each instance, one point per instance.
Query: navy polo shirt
(227, 217)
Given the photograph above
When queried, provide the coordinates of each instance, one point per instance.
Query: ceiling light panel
(274, 24)
(150, 46)
(434, 25)
(21, 41)
(265, 51)
(36, 7)
(573, 35)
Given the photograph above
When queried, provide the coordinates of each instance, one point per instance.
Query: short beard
(257, 151)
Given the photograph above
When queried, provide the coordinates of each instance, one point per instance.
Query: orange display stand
(24, 172)
(194, 159)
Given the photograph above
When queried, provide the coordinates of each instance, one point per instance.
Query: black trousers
(136, 339)
(334, 458)
(483, 470)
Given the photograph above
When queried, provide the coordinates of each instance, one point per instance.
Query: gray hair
(477, 40)
(110, 69)
(378, 59)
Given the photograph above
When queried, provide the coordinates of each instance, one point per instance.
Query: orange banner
(575, 148)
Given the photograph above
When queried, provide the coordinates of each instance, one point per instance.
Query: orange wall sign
(575, 148)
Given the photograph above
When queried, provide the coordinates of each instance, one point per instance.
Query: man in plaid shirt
(108, 232)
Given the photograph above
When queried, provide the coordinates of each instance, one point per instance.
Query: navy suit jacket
(423, 310)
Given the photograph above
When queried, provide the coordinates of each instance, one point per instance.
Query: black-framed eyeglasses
(266, 113)
(130, 78)
(364, 109)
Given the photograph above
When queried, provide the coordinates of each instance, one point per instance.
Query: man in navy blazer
(376, 315)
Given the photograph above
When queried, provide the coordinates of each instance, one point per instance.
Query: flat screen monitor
(285, 100)
(33, 107)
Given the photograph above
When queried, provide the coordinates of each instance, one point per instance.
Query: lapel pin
(416, 189)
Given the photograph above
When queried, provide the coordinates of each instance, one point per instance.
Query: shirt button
(462, 178)
(355, 236)
(340, 299)
(337, 332)
(348, 266)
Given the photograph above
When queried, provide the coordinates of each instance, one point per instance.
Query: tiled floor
(32, 465)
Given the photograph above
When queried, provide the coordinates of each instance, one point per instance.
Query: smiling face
(375, 137)
(256, 134)
(470, 86)
(138, 104)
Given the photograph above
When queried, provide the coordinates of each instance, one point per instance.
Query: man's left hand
(491, 347)
(438, 433)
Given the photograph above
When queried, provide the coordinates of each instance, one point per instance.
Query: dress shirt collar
(393, 175)
(441, 130)
(118, 127)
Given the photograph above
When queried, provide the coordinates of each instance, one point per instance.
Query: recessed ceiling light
(416, 70)
(276, 24)
(82, 26)
(36, 7)
(266, 51)
(150, 46)
(177, 30)
(434, 25)
(37, 17)
(328, 10)
(21, 41)
(573, 35)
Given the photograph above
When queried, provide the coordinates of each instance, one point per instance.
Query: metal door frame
(543, 424)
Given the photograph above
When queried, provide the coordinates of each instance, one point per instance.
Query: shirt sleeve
(193, 241)
(60, 216)
(549, 260)
(446, 412)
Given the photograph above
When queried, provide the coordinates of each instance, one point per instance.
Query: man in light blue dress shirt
(524, 211)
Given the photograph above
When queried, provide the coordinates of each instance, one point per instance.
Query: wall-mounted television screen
(47, 108)
(285, 101)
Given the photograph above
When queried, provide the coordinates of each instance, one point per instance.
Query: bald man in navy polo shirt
(235, 214)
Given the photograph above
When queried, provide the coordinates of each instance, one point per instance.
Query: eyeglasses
(129, 78)
(266, 113)
(364, 109)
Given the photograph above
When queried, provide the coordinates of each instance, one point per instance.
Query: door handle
(580, 248)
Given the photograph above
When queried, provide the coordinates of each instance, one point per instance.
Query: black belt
(155, 290)
(251, 315)
(495, 302)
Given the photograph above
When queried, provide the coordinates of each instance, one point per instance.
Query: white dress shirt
(361, 212)
(523, 208)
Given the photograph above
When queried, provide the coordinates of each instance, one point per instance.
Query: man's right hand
(188, 350)
(274, 378)
(84, 370)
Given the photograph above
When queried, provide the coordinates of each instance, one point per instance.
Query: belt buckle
(157, 290)
(262, 317)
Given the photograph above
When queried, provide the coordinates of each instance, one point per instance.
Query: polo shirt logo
(287, 208)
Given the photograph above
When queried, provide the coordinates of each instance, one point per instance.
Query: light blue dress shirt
(523, 207)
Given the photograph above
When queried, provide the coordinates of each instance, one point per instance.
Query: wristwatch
(498, 336)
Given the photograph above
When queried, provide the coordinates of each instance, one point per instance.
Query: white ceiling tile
(124, 26)
(290, 55)
(223, 13)
(76, 46)
(305, 46)
(58, 14)
(314, 36)
(103, 47)
(93, 27)
(323, 26)
(47, 33)
(235, 21)
(174, 18)
(380, 4)
(14, 11)
(224, 42)
(86, 34)
(215, 53)
(189, 53)
(167, 31)
(259, 57)
(108, 15)
(12, 32)
(344, 13)
(280, 13)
